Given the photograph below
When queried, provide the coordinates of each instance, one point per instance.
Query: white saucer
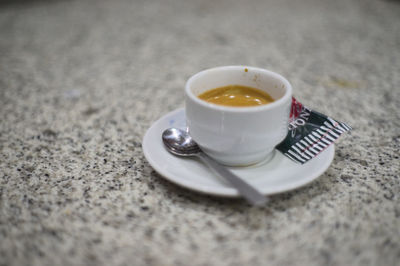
(278, 174)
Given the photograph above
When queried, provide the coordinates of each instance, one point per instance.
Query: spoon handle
(252, 195)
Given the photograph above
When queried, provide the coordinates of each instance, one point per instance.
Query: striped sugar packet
(309, 133)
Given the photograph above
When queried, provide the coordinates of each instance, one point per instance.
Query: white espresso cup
(238, 136)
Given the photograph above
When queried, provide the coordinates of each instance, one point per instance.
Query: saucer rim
(227, 191)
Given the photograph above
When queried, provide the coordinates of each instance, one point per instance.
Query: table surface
(82, 81)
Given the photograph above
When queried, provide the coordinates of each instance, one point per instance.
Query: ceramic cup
(238, 136)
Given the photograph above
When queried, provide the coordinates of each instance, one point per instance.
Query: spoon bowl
(180, 143)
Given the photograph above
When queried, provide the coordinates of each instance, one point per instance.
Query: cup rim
(287, 96)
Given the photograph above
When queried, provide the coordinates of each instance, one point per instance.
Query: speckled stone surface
(81, 81)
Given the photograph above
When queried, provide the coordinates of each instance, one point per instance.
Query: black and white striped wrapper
(309, 133)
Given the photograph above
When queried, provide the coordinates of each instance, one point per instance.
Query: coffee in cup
(236, 95)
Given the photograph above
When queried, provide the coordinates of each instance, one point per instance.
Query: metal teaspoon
(179, 142)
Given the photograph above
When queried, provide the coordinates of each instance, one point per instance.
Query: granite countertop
(82, 81)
